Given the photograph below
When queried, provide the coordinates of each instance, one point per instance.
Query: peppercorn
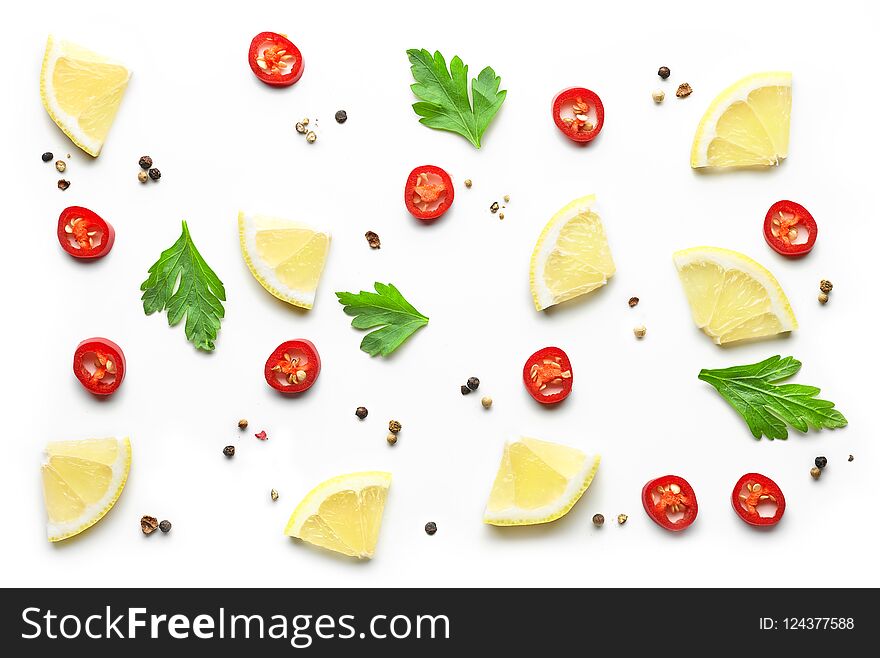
(361, 412)
(373, 240)
(142, 176)
(392, 439)
(60, 165)
(274, 495)
(494, 207)
(684, 90)
(640, 331)
(63, 184)
(311, 137)
(242, 424)
(598, 520)
(621, 519)
(815, 472)
(229, 451)
(468, 182)
(47, 156)
(633, 301)
(165, 526)
(430, 527)
(663, 72)
(148, 524)
(341, 116)
(850, 458)
(825, 285)
(821, 462)
(464, 389)
(506, 198)
(145, 162)
(155, 174)
(486, 402)
(394, 426)
(501, 215)
(658, 95)
(300, 128)
(473, 383)
(823, 298)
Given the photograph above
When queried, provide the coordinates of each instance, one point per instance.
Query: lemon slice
(82, 480)
(572, 256)
(81, 91)
(343, 514)
(286, 257)
(538, 482)
(746, 125)
(731, 296)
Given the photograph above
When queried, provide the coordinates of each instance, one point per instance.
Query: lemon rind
(96, 511)
(738, 91)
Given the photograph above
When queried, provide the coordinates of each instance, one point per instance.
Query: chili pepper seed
(155, 174)
(464, 389)
(821, 462)
(274, 495)
(229, 451)
(684, 90)
(501, 215)
(394, 426)
(664, 72)
(165, 526)
(60, 165)
(149, 524)
(47, 156)
(486, 402)
(621, 519)
(311, 137)
(145, 162)
(392, 439)
(142, 176)
(373, 240)
(598, 520)
(63, 184)
(506, 198)
(825, 285)
(242, 424)
(341, 116)
(658, 95)
(430, 527)
(815, 472)
(633, 301)
(361, 412)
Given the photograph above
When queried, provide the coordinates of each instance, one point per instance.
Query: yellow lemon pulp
(81, 91)
(538, 482)
(747, 124)
(731, 296)
(82, 480)
(343, 514)
(286, 257)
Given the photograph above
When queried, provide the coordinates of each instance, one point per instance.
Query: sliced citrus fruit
(81, 91)
(286, 257)
(343, 514)
(746, 125)
(572, 256)
(538, 482)
(731, 296)
(82, 480)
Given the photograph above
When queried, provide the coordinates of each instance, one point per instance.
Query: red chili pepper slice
(579, 114)
(548, 376)
(428, 193)
(293, 367)
(790, 229)
(275, 59)
(751, 490)
(83, 234)
(667, 498)
(99, 365)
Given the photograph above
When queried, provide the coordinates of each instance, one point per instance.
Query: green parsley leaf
(768, 408)
(444, 94)
(385, 308)
(181, 282)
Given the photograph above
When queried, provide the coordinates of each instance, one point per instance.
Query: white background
(225, 142)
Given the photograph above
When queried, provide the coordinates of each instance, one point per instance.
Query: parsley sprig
(386, 308)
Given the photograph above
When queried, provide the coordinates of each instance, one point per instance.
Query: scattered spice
(311, 137)
(823, 298)
(684, 90)
(142, 176)
(229, 451)
(47, 156)
(149, 524)
(361, 412)
(63, 184)
(598, 520)
(815, 472)
(394, 426)
(305, 121)
(821, 462)
(392, 439)
(658, 95)
(274, 495)
(300, 128)
(261, 435)
(825, 285)
(242, 424)
(633, 301)
(640, 331)
(341, 116)
(501, 215)
(464, 389)
(494, 207)
(506, 198)
(621, 519)
(664, 72)
(468, 182)
(373, 240)
(473, 383)
(155, 174)
(165, 526)
(60, 165)
(145, 162)
(486, 402)
(430, 527)
(850, 458)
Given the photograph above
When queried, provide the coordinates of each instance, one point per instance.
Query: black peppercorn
(165, 526)
(598, 519)
(145, 162)
(473, 383)
(663, 72)
(155, 174)
(229, 451)
(821, 462)
(430, 527)
(464, 389)
(341, 116)
(47, 156)
(361, 412)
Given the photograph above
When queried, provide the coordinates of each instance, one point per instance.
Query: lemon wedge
(81, 91)
(746, 125)
(286, 257)
(343, 514)
(82, 480)
(731, 296)
(538, 482)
